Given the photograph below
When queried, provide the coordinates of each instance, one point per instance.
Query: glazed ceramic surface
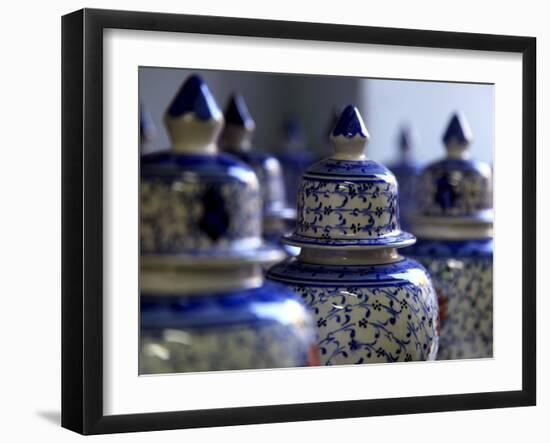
(236, 140)
(371, 305)
(367, 313)
(204, 303)
(195, 201)
(263, 327)
(462, 273)
(454, 225)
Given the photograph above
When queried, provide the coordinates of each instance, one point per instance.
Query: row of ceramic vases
(348, 296)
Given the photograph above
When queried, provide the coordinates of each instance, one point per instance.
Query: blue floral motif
(362, 169)
(193, 203)
(366, 314)
(334, 209)
(462, 273)
(455, 187)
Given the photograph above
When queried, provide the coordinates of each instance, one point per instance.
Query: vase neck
(343, 257)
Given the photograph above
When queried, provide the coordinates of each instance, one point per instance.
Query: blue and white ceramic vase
(204, 303)
(236, 139)
(454, 225)
(371, 304)
(407, 171)
(294, 156)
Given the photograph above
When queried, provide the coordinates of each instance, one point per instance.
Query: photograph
(291, 220)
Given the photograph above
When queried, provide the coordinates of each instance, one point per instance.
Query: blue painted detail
(170, 164)
(481, 248)
(462, 273)
(455, 187)
(215, 218)
(199, 205)
(194, 97)
(237, 113)
(217, 309)
(458, 130)
(367, 314)
(263, 327)
(297, 272)
(350, 124)
(399, 240)
(349, 169)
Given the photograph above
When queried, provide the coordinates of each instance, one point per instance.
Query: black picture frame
(82, 220)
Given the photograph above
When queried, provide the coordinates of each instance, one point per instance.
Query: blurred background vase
(454, 225)
(204, 303)
(371, 304)
(236, 139)
(407, 171)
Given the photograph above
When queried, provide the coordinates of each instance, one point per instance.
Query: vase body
(373, 313)
(454, 227)
(255, 328)
(370, 304)
(462, 274)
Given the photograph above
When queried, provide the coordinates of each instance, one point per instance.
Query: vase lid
(455, 192)
(348, 201)
(198, 205)
(236, 139)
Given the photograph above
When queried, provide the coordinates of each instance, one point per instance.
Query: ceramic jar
(236, 139)
(204, 302)
(371, 305)
(407, 171)
(454, 225)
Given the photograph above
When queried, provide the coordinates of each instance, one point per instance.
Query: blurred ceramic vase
(204, 303)
(294, 156)
(407, 172)
(454, 225)
(371, 305)
(236, 139)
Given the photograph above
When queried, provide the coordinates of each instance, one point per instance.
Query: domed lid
(236, 139)
(456, 191)
(348, 201)
(198, 205)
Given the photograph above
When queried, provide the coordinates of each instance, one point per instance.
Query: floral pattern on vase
(367, 314)
(462, 273)
(370, 304)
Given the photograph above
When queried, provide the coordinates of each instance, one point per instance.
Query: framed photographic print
(269, 221)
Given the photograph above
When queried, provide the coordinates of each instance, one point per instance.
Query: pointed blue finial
(194, 97)
(458, 131)
(239, 126)
(237, 113)
(349, 136)
(407, 138)
(350, 124)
